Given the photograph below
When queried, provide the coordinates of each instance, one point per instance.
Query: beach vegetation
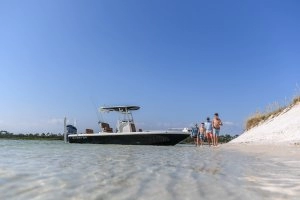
(296, 100)
(271, 111)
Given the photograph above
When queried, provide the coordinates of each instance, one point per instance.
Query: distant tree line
(222, 139)
(31, 136)
(226, 138)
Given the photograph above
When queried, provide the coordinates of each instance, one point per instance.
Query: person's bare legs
(213, 139)
(200, 140)
(217, 132)
(209, 138)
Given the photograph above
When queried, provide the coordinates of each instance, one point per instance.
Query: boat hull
(160, 139)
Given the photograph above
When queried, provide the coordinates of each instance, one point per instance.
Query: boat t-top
(125, 132)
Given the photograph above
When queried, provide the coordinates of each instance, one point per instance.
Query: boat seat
(106, 128)
(133, 129)
(89, 131)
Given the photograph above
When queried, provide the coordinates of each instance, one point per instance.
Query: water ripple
(54, 170)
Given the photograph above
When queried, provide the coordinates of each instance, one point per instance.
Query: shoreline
(267, 150)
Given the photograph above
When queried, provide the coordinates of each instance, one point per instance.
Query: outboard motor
(68, 129)
(71, 129)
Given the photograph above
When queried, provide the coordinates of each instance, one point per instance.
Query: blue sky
(181, 61)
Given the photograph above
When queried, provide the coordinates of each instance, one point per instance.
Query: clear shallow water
(54, 170)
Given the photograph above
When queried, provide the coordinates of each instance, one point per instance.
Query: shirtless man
(217, 123)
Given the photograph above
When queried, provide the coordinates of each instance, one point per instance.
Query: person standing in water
(208, 128)
(217, 123)
(201, 134)
(194, 134)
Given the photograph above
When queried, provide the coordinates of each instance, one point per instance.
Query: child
(201, 134)
(194, 134)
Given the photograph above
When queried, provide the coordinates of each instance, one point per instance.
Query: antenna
(99, 117)
(65, 130)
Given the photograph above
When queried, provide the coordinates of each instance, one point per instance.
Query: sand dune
(284, 128)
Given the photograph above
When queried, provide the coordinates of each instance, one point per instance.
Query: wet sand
(268, 150)
(273, 171)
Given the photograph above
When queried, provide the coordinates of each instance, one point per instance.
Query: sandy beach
(281, 129)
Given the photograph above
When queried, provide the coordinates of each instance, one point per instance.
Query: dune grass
(296, 100)
(271, 111)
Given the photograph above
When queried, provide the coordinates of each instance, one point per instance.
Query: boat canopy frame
(122, 109)
(125, 111)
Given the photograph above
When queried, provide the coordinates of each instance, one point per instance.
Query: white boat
(125, 132)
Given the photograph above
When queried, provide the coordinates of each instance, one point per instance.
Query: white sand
(281, 129)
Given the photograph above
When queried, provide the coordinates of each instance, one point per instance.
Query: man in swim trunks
(217, 123)
(208, 128)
